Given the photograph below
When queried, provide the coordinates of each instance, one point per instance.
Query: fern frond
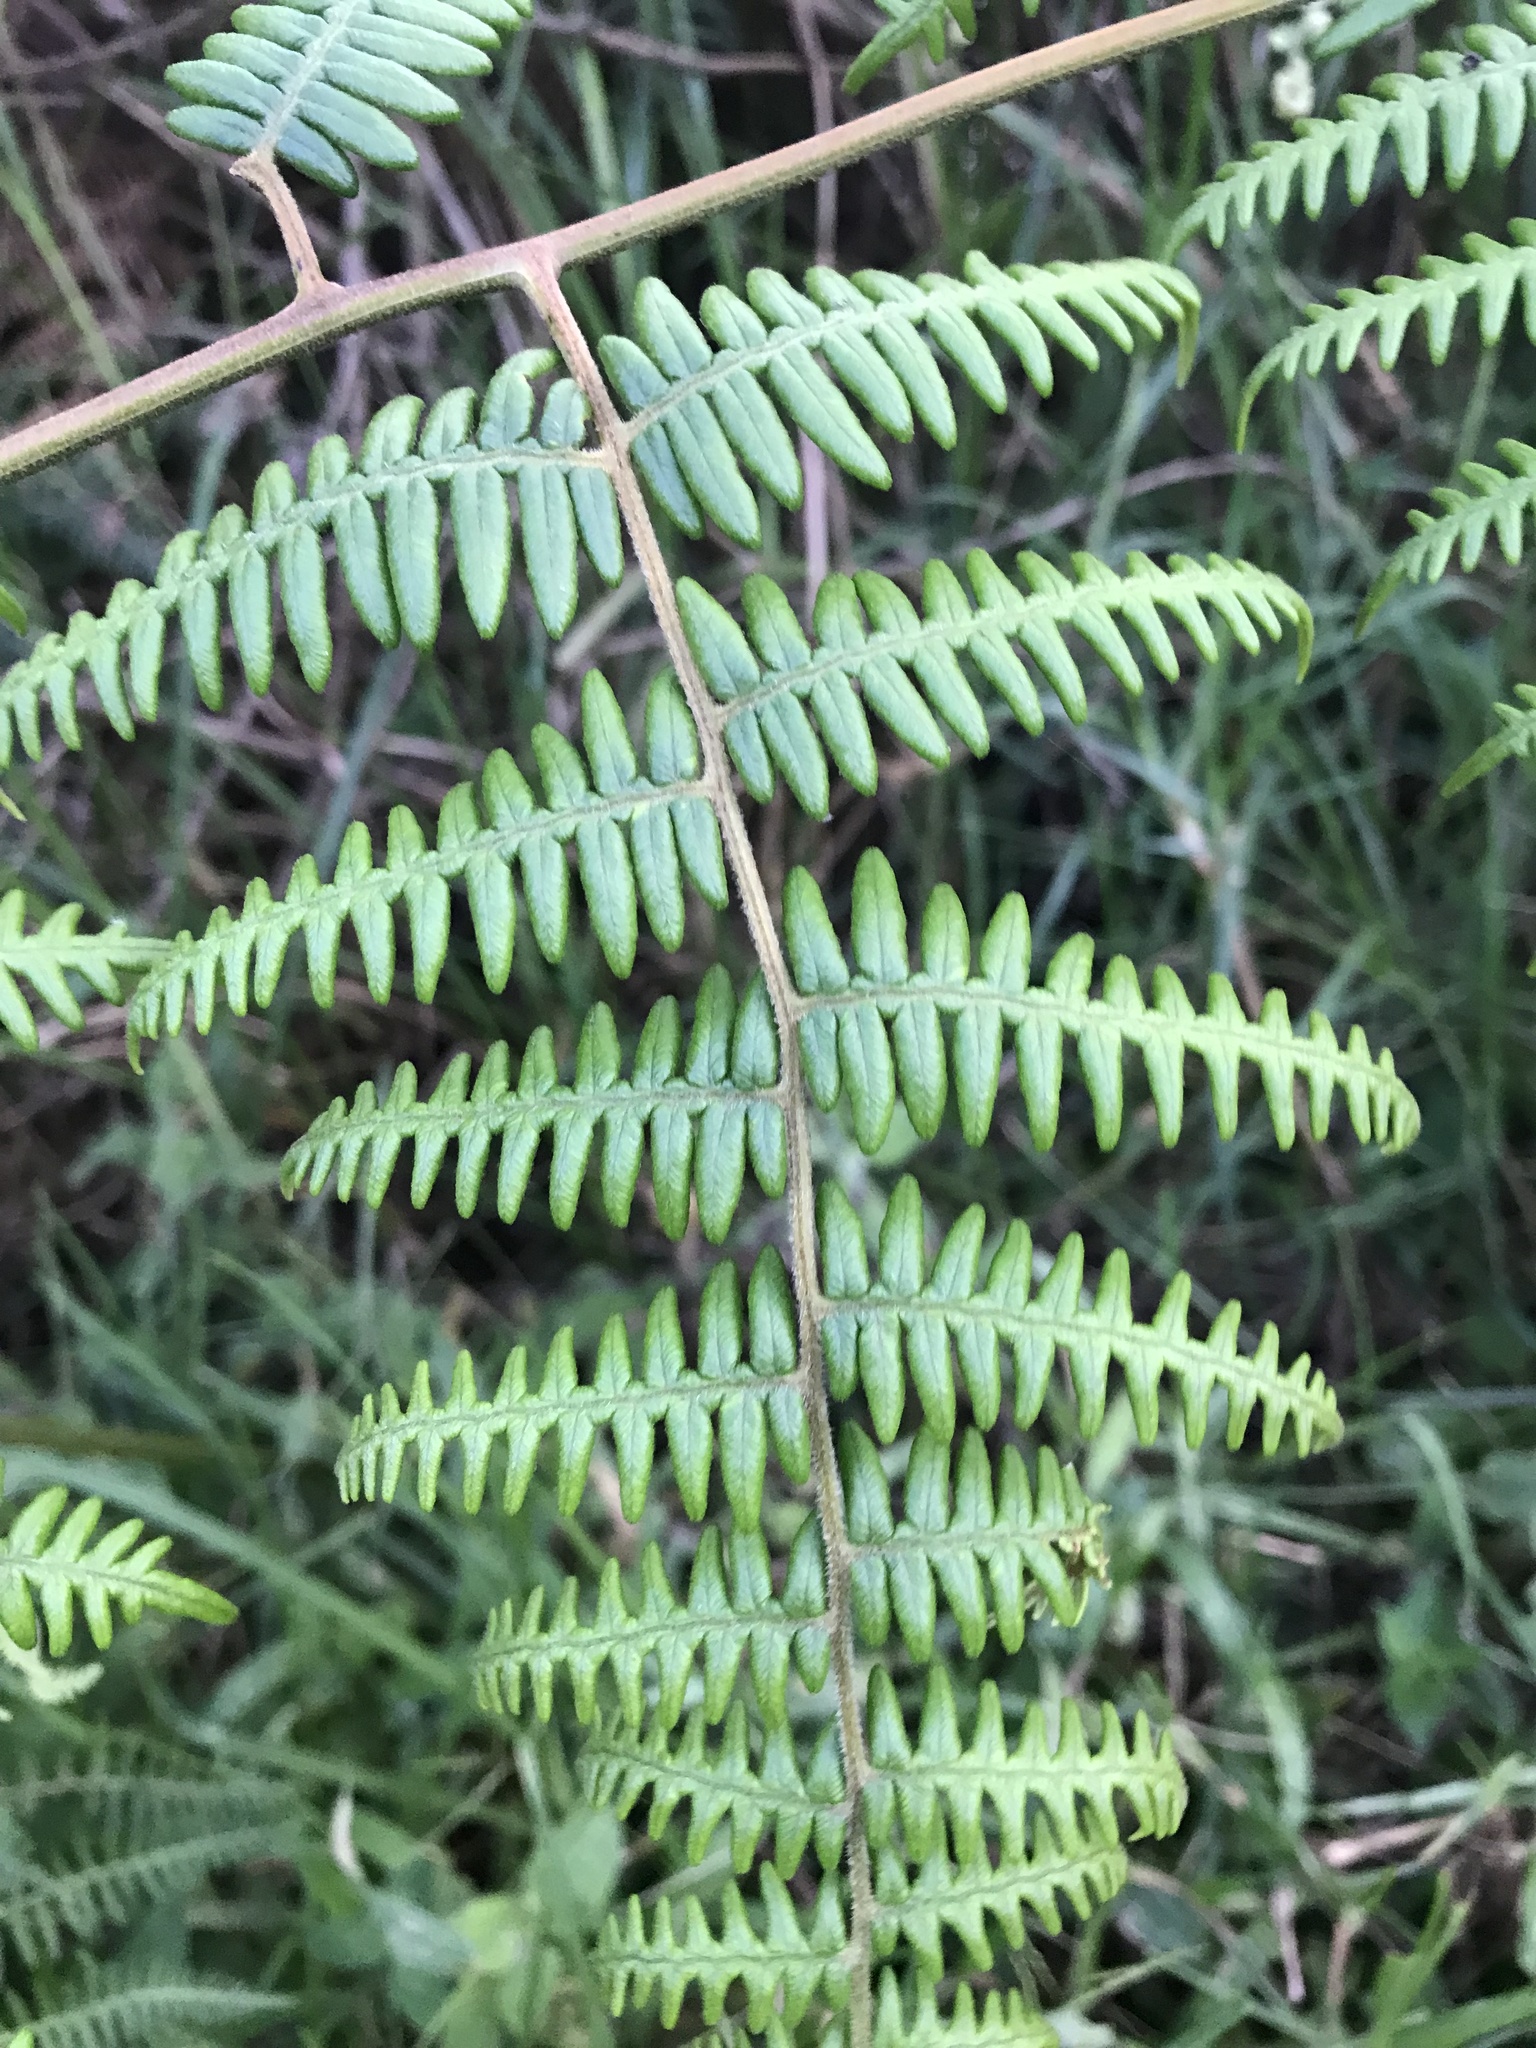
(940, 1778)
(702, 421)
(313, 82)
(999, 1550)
(740, 1396)
(1001, 2020)
(724, 1781)
(120, 2006)
(912, 21)
(636, 835)
(1082, 1865)
(43, 1910)
(1515, 738)
(730, 1608)
(927, 1313)
(706, 1114)
(781, 1967)
(125, 1783)
(47, 1564)
(1498, 503)
(1492, 273)
(876, 1031)
(48, 956)
(463, 449)
(1466, 101)
(793, 703)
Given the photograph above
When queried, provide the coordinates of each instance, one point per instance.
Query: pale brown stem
(260, 170)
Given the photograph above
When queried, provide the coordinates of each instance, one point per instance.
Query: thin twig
(625, 42)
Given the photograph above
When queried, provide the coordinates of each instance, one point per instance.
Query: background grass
(1347, 1647)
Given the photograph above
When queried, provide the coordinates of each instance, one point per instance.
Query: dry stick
(719, 784)
(318, 318)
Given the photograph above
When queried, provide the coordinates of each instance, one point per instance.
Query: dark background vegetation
(1348, 1646)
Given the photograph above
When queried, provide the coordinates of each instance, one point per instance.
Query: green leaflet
(313, 82)
(912, 21)
(960, 1896)
(13, 612)
(915, 1318)
(714, 403)
(48, 957)
(636, 836)
(1497, 503)
(1466, 103)
(96, 2005)
(740, 1396)
(383, 515)
(707, 1113)
(876, 1031)
(45, 1910)
(999, 1550)
(998, 2019)
(648, 1641)
(1493, 273)
(1516, 737)
(48, 1564)
(795, 703)
(749, 1786)
(780, 1966)
(942, 1787)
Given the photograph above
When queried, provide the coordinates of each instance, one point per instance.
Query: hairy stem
(316, 318)
(720, 786)
(260, 169)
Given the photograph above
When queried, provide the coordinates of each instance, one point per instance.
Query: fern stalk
(719, 785)
(321, 316)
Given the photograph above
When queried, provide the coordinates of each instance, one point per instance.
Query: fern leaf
(781, 1967)
(722, 1781)
(49, 1564)
(121, 2006)
(1515, 738)
(928, 1312)
(914, 21)
(1467, 97)
(942, 1779)
(1082, 1865)
(13, 612)
(712, 404)
(636, 836)
(383, 514)
(1000, 2019)
(314, 82)
(1493, 273)
(49, 956)
(707, 1114)
(792, 703)
(43, 1910)
(876, 1031)
(1498, 504)
(730, 1608)
(997, 1549)
(739, 1397)
(126, 1783)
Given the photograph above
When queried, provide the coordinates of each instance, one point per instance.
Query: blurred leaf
(1426, 1655)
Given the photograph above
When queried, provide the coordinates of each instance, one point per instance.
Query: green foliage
(793, 702)
(636, 836)
(47, 958)
(876, 1031)
(1493, 273)
(1515, 739)
(710, 402)
(48, 1564)
(1497, 504)
(1480, 95)
(706, 1112)
(313, 82)
(120, 2005)
(12, 611)
(913, 21)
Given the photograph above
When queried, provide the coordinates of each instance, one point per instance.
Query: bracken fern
(854, 1428)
